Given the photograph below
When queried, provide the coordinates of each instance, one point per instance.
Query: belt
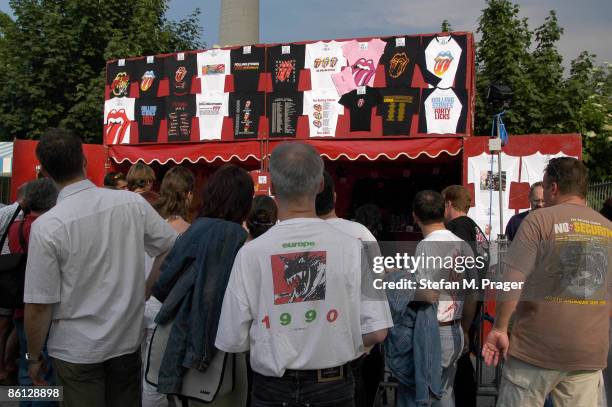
(448, 323)
(321, 375)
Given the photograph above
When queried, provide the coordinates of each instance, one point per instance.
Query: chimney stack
(239, 22)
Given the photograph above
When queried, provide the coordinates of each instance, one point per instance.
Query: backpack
(12, 271)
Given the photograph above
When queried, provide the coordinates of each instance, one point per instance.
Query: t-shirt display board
(377, 87)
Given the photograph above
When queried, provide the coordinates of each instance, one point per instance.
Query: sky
(585, 22)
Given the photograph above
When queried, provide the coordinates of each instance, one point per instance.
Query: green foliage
(544, 100)
(446, 27)
(54, 55)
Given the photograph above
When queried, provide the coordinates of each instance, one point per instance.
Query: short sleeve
(374, 313)
(43, 277)
(236, 317)
(158, 235)
(345, 100)
(306, 103)
(523, 251)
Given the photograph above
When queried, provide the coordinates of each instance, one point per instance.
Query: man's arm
(372, 338)
(155, 273)
(37, 320)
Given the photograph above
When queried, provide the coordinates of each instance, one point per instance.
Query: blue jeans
(292, 391)
(451, 341)
(23, 377)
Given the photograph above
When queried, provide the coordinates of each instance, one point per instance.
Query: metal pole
(500, 181)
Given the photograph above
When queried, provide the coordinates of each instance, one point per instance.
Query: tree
(446, 27)
(55, 52)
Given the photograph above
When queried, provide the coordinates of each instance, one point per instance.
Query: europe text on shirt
(118, 117)
(245, 110)
(180, 70)
(285, 63)
(247, 63)
(399, 59)
(360, 106)
(444, 64)
(119, 76)
(211, 108)
(322, 108)
(363, 58)
(324, 59)
(443, 111)
(148, 71)
(179, 112)
(213, 66)
(149, 114)
(397, 108)
(284, 108)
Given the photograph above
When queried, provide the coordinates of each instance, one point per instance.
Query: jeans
(292, 391)
(451, 341)
(23, 377)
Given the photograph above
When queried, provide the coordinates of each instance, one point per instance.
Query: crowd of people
(129, 299)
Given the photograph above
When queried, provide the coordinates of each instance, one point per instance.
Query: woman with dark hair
(193, 278)
(263, 216)
(115, 180)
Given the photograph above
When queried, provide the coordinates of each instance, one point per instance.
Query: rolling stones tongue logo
(398, 65)
(117, 127)
(147, 81)
(284, 69)
(120, 84)
(442, 62)
(360, 102)
(325, 62)
(179, 77)
(363, 71)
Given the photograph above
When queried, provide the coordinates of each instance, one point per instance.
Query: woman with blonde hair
(140, 179)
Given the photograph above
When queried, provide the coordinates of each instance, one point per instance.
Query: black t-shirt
(285, 63)
(119, 78)
(466, 229)
(397, 108)
(284, 108)
(148, 114)
(399, 61)
(148, 74)
(246, 68)
(361, 107)
(180, 73)
(180, 110)
(245, 109)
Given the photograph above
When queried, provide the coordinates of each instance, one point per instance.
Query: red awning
(390, 149)
(177, 153)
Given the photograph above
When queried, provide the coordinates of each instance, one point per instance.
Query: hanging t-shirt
(118, 117)
(444, 61)
(149, 114)
(245, 110)
(322, 108)
(360, 106)
(399, 59)
(211, 108)
(213, 66)
(443, 111)
(480, 174)
(148, 72)
(397, 108)
(119, 75)
(324, 59)
(179, 111)
(295, 299)
(533, 166)
(285, 63)
(180, 70)
(363, 58)
(284, 108)
(247, 64)
(344, 81)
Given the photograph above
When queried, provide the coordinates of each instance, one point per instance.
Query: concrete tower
(239, 22)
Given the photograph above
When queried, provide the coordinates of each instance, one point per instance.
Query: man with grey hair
(294, 296)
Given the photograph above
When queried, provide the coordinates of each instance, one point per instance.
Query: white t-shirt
(451, 307)
(488, 219)
(442, 111)
(211, 108)
(479, 168)
(294, 299)
(355, 229)
(532, 166)
(213, 66)
(324, 59)
(118, 117)
(322, 108)
(442, 57)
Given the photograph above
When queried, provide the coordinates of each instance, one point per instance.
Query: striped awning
(6, 158)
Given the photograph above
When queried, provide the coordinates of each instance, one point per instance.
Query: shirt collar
(75, 188)
(294, 221)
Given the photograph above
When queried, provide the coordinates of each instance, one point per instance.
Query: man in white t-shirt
(439, 242)
(294, 296)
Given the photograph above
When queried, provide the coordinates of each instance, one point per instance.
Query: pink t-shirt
(344, 81)
(363, 59)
